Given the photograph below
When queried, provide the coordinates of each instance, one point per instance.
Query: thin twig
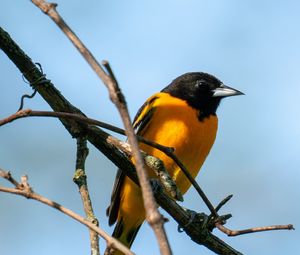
(218, 207)
(223, 202)
(80, 179)
(154, 218)
(230, 232)
(23, 189)
(7, 175)
(74, 116)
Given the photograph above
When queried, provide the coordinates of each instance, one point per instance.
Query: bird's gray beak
(225, 91)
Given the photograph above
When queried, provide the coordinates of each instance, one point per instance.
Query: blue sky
(250, 45)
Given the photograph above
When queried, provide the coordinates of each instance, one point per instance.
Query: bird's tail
(125, 234)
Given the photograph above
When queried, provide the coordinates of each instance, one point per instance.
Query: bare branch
(80, 179)
(23, 189)
(74, 116)
(230, 232)
(223, 202)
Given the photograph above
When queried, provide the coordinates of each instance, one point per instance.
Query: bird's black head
(202, 91)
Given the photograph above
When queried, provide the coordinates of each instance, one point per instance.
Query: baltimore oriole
(181, 116)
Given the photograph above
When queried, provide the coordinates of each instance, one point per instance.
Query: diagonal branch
(23, 189)
(7, 176)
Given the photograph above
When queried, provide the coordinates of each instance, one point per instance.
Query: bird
(181, 116)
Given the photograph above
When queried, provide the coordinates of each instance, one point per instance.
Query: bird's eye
(199, 83)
